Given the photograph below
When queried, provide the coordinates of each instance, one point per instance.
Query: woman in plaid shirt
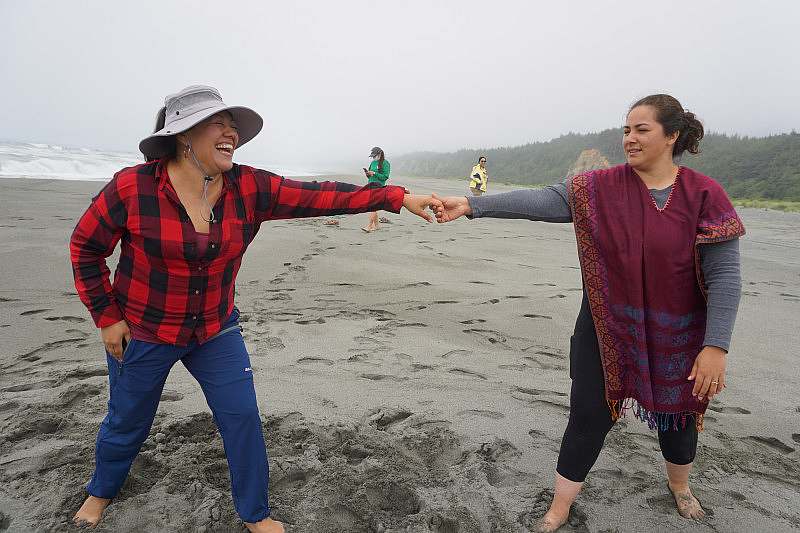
(185, 218)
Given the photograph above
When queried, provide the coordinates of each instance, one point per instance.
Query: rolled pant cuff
(260, 517)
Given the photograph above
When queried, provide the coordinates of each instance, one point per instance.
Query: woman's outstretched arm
(281, 198)
(548, 204)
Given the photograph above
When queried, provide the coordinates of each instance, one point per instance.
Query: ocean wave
(44, 161)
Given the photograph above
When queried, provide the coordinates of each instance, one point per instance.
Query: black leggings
(589, 415)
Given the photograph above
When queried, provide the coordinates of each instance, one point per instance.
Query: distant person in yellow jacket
(478, 177)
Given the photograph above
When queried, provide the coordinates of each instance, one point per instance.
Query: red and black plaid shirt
(161, 286)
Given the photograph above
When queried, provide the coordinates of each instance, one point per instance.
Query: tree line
(748, 167)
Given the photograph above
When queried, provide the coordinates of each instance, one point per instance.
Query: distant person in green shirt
(377, 174)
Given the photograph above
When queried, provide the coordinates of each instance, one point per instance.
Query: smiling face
(213, 142)
(643, 138)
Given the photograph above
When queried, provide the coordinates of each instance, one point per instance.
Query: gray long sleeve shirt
(719, 262)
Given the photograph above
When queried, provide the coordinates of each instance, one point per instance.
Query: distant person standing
(377, 176)
(478, 177)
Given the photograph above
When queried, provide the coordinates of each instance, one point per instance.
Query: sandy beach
(413, 379)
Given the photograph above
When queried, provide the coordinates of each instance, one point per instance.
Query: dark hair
(169, 144)
(673, 117)
(481, 157)
(375, 151)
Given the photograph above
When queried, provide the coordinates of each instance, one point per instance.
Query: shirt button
(213, 245)
(194, 317)
(196, 291)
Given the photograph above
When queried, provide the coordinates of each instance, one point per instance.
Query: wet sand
(413, 379)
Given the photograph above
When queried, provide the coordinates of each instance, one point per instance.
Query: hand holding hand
(452, 207)
(417, 204)
(708, 373)
(370, 173)
(112, 338)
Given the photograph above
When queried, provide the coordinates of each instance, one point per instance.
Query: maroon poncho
(642, 275)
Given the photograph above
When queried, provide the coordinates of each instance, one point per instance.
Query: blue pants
(222, 367)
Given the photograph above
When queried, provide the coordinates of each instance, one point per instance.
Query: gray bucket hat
(188, 108)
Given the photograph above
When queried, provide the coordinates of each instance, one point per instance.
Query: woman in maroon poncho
(646, 233)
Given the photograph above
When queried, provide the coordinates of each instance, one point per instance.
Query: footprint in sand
(380, 377)
(728, 410)
(441, 524)
(491, 301)
(532, 315)
(480, 282)
(443, 302)
(6, 407)
(482, 413)
(78, 392)
(84, 373)
(466, 372)
(416, 367)
(452, 353)
(33, 355)
(274, 343)
(796, 437)
(773, 443)
(473, 321)
(416, 284)
(490, 335)
(516, 297)
(548, 353)
(315, 360)
(34, 312)
(518, 368)
(35, 385)
(171, 396)
(532, 396)
(310, 321)
(3, 299)
(382, 418)
(538, 392)
(72, 319)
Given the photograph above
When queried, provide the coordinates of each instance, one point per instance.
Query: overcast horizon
(334, 79)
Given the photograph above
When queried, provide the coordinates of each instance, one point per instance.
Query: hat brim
(158, 145)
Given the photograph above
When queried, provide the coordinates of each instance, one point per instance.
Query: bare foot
(550, 522)
(688, 505)
(91, 512)
(368, 229)
(268, 525)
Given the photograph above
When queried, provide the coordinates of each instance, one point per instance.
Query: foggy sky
(332, 79)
